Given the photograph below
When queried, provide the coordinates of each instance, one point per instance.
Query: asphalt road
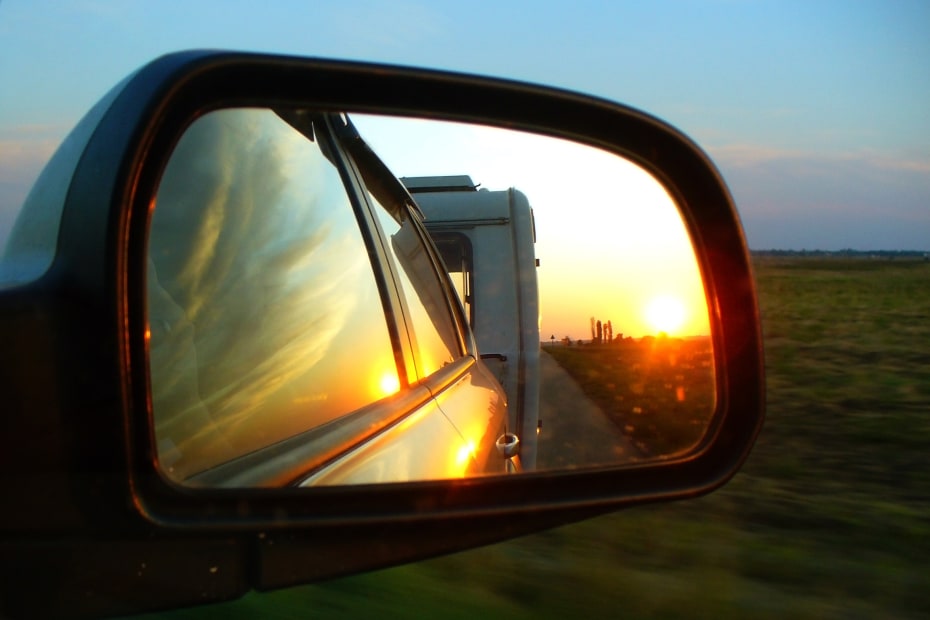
(575, 431)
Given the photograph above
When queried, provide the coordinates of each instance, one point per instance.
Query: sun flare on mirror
(465, 453)
(388, 384)
(666, 314)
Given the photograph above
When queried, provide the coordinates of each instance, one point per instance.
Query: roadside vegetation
(829, 518)
(659, 392)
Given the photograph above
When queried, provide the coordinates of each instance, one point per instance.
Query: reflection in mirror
(287, 346)
(625, 371)
(258, 281)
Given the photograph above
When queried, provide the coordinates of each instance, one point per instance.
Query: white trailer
(487, 240)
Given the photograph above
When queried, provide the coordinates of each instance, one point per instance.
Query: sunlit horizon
(609, 237)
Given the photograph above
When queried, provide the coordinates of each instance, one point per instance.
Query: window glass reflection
(260, 294)
(437, 338)
(455, 251)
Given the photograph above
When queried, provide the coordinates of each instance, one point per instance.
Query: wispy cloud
(23, 153)
(749, 155)
(256, 273)
(21, 160)
(794, 198)
(24, 149)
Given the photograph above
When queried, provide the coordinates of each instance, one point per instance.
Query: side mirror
(215, 392)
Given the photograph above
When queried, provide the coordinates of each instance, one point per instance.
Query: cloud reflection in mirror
(254, 275)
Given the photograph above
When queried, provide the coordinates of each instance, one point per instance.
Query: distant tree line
(601, 331)
(846, 253)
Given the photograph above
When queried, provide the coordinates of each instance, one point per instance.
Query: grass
(829, 518)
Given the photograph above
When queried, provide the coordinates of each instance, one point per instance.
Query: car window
(456, 253)
(260, 294)
(437, 338)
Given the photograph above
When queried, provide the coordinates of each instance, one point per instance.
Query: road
(575, 432)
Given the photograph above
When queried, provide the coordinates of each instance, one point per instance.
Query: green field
(829, 518)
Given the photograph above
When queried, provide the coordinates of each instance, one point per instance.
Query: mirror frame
(175, 90)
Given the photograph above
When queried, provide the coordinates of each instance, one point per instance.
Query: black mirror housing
(86, 501)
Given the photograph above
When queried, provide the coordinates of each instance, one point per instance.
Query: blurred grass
(829, 518)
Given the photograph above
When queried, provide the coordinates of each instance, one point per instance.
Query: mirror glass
(307, 327)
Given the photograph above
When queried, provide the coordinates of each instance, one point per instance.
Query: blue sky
(817, 113)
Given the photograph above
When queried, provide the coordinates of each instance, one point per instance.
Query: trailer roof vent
(450, 183)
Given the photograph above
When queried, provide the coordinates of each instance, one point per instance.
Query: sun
(665, 313)
(388, 383)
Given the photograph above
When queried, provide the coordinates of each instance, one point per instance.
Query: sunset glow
(666, 313)
(465, 454)
(389, 384)
(609, 237)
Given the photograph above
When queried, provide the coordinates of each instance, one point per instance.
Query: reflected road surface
(575, 432)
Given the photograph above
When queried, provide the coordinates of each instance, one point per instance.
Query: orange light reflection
(465, 454)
